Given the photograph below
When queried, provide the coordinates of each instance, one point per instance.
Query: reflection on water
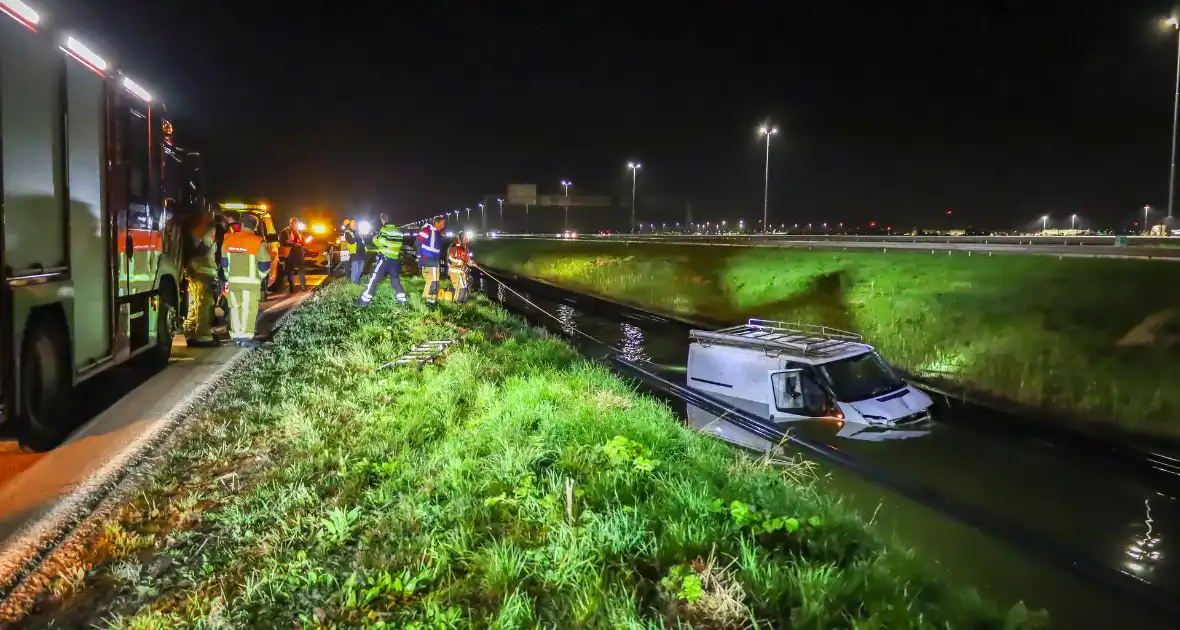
(565, 317)
(501, 295)
(1144, 552)
(632, 343)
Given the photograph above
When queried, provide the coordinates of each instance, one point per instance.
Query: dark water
(1111, 516)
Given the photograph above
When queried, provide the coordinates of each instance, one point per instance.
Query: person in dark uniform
(291, 247)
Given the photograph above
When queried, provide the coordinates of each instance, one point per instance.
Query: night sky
(894, 112)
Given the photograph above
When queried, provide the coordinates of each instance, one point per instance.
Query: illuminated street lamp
(483, 217)
(634, 166)
(1174, 23)
(1146, 209)
(566, 184)
(1044, 223)
(1073, 220)
(768, 132)
(501, 202)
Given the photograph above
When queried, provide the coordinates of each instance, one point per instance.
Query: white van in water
(791, 372)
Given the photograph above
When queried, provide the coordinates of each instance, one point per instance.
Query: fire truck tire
(168, 323)
(45, 382)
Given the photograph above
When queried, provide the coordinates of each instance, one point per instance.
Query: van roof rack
(767, 334)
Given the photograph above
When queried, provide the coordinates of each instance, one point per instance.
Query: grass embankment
(513, 485)
(1036, 330)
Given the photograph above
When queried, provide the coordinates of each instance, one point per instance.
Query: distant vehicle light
(22, 13)
(469, 234)
(449, 235)
(364, 227)
(134, 88)
(84, 54)
(319, 228)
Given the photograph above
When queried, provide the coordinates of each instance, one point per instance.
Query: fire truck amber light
(21, 12)
(82, 52)
(134, 88)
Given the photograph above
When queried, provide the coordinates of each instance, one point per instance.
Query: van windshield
(860, 377)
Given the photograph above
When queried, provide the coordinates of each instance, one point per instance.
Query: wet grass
(512, 485)
(1036, 330)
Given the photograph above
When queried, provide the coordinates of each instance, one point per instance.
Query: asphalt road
(1061, 248)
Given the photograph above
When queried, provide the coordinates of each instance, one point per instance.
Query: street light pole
(1044, 224)
(1175, 24)
(1146, 209)
(1073, 221)
(501, 202)
(766, 131)
(483, 218)
(634, 166)
(566, 184)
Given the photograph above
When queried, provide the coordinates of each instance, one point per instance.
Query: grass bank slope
(1092, 338)
(512, 485)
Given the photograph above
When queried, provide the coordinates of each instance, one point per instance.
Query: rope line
(555, 317)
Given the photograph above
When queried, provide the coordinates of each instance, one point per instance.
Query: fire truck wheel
(167, 324)
(45, 377)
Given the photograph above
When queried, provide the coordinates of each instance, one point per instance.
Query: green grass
(514, 485)
(1036, 330)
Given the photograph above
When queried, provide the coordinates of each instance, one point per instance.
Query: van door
(796, 395)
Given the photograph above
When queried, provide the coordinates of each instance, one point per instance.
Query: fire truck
(96, 200)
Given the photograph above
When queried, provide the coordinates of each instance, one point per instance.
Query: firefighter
(388, 243)
(247, 261)
(291, 252)
(204, 286)
(429, 245)
(458, 260)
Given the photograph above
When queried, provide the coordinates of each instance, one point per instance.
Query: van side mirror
(787, 387)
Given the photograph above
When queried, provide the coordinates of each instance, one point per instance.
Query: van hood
(888, 409)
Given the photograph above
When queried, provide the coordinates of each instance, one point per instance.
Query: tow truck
(95, 208)
(791, 373)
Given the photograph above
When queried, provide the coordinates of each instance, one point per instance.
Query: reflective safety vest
(350, 240)
(388, 241)
(246, 258)
(289, 238)
(204, 260)
(428, 242)
(458, 256)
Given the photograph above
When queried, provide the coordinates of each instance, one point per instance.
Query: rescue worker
(291, 251)
(204, 286)
(342, 251)
(247, 261)
(429, 246)
(388, 243)
(355, 244)
(227, 222)
(458, 261)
